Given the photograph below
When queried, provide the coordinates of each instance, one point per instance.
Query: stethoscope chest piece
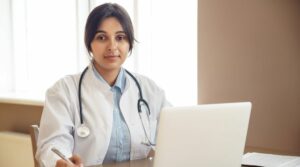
(83, 131)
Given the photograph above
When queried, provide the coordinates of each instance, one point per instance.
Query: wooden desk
(136, 163)
(149, 162)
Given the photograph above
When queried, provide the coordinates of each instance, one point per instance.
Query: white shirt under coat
(60, 118)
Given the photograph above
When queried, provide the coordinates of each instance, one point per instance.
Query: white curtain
(42, 41)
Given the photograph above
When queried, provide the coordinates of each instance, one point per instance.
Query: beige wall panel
(249, 50)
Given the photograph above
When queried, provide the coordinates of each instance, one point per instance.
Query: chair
(34, 132)
(15, 149)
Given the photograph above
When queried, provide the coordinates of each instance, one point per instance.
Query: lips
(111, 54)
(112, 57)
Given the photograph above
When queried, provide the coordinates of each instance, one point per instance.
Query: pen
(61, 155)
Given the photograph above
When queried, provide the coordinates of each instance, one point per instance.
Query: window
(42, 41)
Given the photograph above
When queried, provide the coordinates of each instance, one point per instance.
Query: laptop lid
(211, 135)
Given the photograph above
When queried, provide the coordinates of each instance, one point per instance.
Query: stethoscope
(83, 131)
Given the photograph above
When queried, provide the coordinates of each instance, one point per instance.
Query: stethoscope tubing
(140, 102)
(79, 94)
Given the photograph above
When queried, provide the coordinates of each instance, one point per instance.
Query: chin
(112, 68)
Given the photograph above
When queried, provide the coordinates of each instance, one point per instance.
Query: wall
(249, 50)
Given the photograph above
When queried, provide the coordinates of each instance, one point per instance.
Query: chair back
(34, 132)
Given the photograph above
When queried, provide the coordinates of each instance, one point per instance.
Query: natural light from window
(42, 43)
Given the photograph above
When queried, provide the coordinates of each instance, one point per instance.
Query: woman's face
(110, 46)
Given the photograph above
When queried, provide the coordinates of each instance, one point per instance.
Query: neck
(110, 76)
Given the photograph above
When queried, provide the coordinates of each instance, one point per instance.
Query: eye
(120, 37)
(101, 37)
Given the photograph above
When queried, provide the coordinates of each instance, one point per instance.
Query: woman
(110, 128)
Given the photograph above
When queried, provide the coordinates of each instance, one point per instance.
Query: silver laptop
(210, 135)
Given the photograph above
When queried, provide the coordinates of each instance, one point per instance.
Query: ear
(91, 56)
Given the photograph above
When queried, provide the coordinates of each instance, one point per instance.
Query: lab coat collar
(103, 85)
(120, 81)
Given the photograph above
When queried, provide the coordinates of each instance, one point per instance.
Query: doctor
(104, 114)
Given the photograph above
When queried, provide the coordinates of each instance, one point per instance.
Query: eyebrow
(101, 31)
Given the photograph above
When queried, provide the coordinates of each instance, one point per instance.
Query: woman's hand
(151, 153)
(75, 159)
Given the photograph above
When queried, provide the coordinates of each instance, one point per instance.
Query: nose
(112, 45)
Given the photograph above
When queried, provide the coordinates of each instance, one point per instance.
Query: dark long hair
(102, 12)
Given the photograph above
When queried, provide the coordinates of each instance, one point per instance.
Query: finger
(151, 153)
(76, 160)
(61, 163)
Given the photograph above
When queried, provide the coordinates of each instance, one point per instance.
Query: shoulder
(65, 84)
(147, 83)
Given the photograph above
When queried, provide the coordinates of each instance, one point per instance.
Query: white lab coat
(60, 118)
